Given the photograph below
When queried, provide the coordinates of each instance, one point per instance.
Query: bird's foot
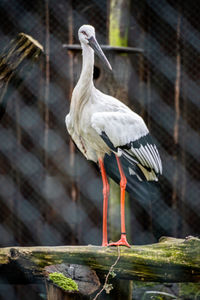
(121, 242)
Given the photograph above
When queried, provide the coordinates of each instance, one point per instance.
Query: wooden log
(15, 61)
(170, 260)
(85, 278)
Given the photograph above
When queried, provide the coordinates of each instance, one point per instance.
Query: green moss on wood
(118, 23)
(115, 36)
(63, 282)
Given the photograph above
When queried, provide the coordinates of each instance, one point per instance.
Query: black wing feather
(142, 151)
(108, 141)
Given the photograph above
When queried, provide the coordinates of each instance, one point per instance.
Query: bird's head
(86, 36)
(85, 33)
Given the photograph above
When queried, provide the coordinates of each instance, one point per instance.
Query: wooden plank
(170, 260)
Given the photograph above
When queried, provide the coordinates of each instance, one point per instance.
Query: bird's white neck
(86, 77)
(82, 91)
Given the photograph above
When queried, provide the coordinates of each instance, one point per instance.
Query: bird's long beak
(97, 49)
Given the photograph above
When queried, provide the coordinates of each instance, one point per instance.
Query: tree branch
(16, 60)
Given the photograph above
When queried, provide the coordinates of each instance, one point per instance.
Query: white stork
(104, 128)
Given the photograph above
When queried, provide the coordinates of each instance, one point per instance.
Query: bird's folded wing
(127, 135)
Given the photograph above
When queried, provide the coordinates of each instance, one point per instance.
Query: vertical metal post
(176, 123)
(47, 79)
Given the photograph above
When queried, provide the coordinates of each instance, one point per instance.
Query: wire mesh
(49, 193)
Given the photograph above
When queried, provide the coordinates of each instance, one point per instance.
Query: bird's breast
(84, 135)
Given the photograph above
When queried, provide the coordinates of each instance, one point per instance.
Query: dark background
(49, 193)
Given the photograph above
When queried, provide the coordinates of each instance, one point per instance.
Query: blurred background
(49, 193)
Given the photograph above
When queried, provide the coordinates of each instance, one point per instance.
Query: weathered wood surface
(170, 260)
(86, 278)
(15, 61)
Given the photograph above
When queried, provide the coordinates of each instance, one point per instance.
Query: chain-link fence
(49, 193)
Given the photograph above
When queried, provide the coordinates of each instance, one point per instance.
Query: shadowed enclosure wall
(49, 193)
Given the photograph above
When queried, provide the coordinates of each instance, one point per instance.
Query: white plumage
(93, 112)
(100, 124)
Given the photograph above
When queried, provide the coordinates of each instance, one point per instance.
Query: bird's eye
(83, 32)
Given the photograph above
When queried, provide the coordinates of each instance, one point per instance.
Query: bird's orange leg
(105, 202)
(123, 181)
